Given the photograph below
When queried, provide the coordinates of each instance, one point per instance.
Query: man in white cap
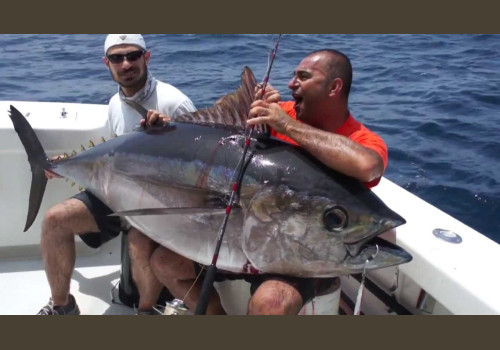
(127, 59)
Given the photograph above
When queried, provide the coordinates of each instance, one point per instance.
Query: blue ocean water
(435, 99)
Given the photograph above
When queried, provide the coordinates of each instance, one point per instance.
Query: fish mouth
(354, 246)
(378, 253)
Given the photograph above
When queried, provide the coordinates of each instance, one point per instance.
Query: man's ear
(105, 61)
(336, 87)
(147, 55)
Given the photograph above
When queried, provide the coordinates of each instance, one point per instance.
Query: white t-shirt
(166, 99)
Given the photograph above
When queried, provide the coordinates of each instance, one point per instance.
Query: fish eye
(335, 219)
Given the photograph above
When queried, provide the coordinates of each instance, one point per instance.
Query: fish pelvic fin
(231, 110)
(38, 162)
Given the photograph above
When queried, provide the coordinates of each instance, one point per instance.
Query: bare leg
(178, 274)
(61, 223)
(275, 297)
(141, 248)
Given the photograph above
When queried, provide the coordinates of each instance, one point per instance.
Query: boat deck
(25, 289)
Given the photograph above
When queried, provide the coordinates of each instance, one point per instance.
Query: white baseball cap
(119, 39)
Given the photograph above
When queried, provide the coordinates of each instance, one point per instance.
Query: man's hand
(155, 118)
(271, 95)
(49, 174)
(271, 114)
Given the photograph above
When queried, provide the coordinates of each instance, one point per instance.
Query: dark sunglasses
(131, 56)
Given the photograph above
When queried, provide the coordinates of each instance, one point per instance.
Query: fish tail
(38, 162)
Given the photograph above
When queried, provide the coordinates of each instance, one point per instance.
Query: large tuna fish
(293, 215)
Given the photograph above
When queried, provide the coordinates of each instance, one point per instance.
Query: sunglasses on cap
(131, 56)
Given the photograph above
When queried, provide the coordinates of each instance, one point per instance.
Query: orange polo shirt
(351, 129)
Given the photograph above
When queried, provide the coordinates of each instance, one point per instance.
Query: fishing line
(208, 283)
(176, 306)
(359, 298)
(196, 280)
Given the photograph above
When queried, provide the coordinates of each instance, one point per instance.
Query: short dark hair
(338, 66)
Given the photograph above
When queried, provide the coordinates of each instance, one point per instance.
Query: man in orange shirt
(319, 121)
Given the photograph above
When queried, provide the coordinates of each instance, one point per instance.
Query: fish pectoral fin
(173, 211)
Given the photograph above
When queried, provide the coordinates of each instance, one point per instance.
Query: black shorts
(109, 226)
(307, 287)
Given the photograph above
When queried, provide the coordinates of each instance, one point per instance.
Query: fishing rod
(208, 283)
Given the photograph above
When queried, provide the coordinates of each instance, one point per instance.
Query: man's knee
(171, 265)
(140, 246)
(71, 217)
(52, 217)
(139, 240)
(57, 218)
(275, 298)
(159, 261)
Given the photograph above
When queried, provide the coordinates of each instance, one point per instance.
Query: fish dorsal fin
(229, 111)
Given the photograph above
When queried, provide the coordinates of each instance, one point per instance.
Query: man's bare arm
(335, 151)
